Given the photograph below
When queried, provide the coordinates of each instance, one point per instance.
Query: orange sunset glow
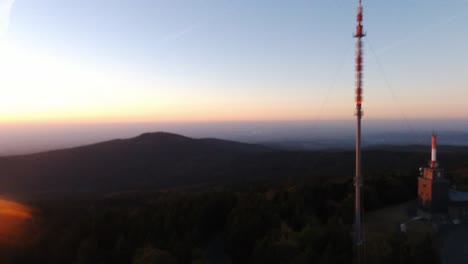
(13, 216)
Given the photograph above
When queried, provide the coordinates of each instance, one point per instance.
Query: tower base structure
(433, 189)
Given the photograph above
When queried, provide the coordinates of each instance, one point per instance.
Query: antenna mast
(359, 113)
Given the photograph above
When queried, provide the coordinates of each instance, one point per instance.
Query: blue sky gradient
(214, 60)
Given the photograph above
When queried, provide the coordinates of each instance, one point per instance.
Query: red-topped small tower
(433, 188)
(433, 162)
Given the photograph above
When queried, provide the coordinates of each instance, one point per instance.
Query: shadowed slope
(160, 160)
(151, 160)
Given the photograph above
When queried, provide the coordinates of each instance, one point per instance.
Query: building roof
(457, 196)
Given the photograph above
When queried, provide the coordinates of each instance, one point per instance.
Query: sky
(133, 61)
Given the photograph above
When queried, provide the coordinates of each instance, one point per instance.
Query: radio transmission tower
(359, 113)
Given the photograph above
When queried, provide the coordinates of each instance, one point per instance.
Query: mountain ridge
(150, 160)
(160, 160)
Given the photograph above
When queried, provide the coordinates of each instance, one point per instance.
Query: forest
(256, 222)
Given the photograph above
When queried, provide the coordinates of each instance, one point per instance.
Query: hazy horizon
(79, 73)
(28, 138)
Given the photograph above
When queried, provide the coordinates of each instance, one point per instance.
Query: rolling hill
(151, 160)
(160, 160)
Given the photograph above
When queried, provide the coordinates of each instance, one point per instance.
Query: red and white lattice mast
(359, 113)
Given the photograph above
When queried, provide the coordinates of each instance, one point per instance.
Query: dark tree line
(308, 222)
